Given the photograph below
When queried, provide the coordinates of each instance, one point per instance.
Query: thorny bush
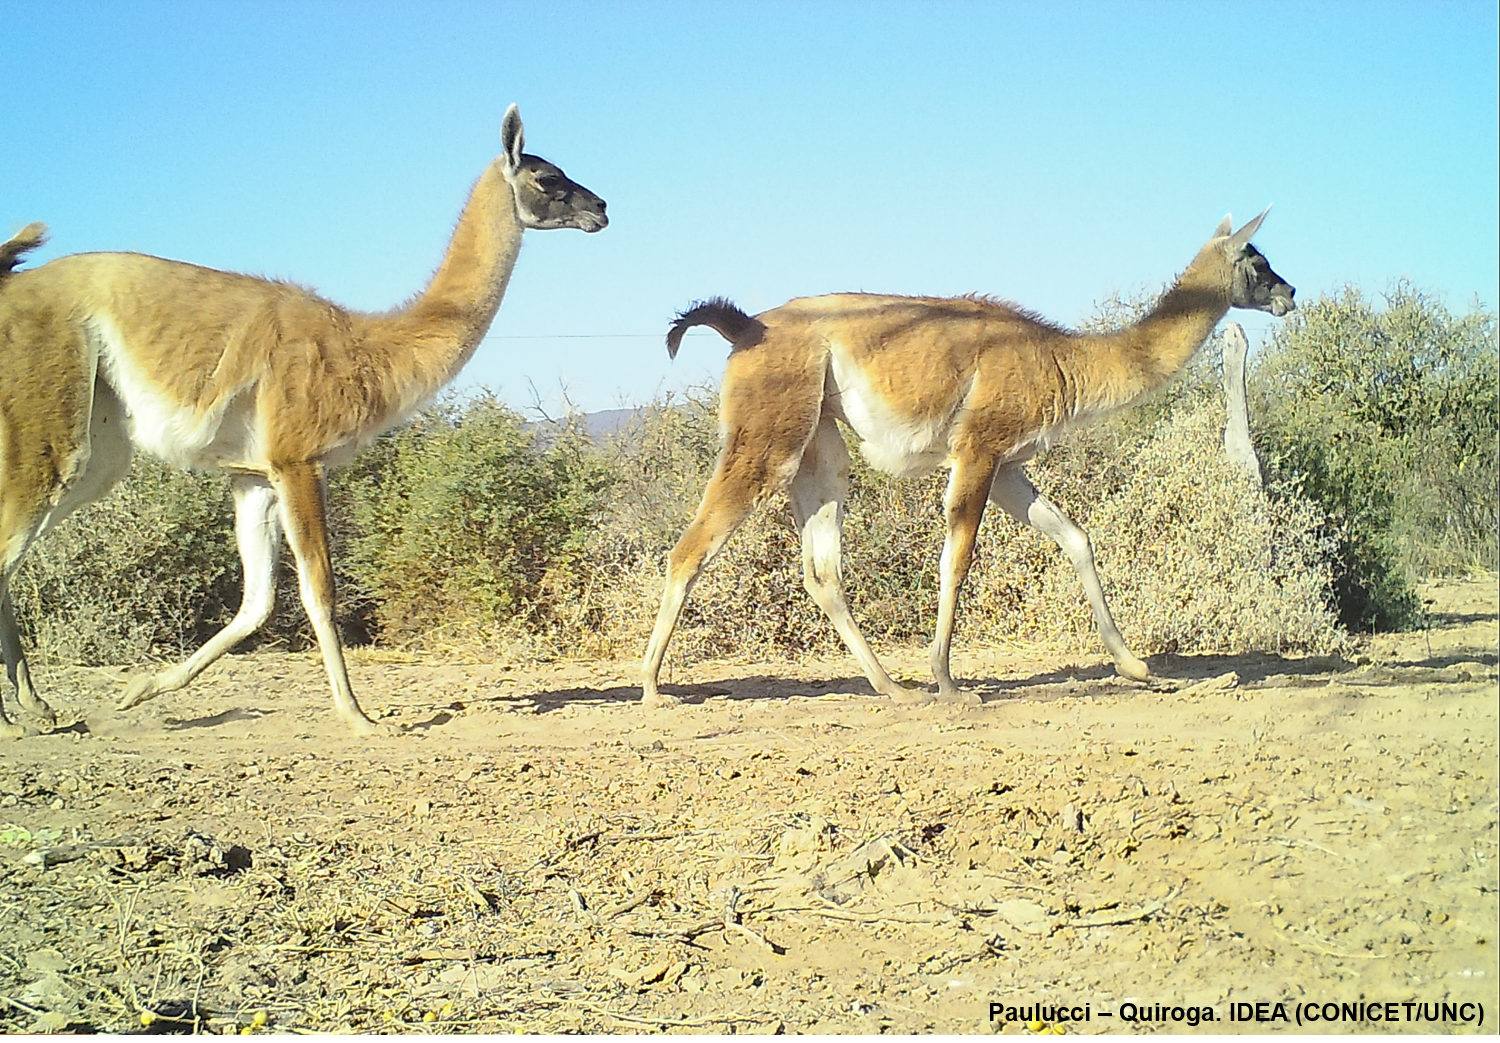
(470, 529)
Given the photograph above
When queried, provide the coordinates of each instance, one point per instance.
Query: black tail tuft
(717, 312)
(20, 244)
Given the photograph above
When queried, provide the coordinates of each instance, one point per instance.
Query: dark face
(548, 198)
(1259, 288)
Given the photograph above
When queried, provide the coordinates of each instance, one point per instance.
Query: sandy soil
(784, 852)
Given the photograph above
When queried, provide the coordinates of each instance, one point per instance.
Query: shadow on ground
(1169, 672)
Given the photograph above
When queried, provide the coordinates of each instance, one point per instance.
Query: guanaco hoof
(970, 383)
(93, 339)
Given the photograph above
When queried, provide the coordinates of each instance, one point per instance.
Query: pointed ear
(512, 137)
(1251, 227)
(1225, 227)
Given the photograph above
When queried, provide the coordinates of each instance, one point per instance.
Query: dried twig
(732, 922)
(430, 955)
(683, 934)
(1150, 909)
(47, 857)
(839, 914)
(758, 939)
(1347, 955)
(636, 900)
(21, 1006)
(1296, 842)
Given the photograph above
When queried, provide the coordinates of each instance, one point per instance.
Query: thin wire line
(584, 336)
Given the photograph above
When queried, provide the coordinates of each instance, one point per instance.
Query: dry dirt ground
(784, 852)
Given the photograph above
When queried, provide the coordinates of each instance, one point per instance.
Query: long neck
(430, 339)
(1112, 370)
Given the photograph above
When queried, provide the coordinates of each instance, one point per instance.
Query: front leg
(1015, 494)
(299, 488)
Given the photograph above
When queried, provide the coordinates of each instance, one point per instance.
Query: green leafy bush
(1387, 417)
(456, 520)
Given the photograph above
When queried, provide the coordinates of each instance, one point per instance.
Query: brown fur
(969, 383)
(18, 245)
(726, 319)
(102, 353)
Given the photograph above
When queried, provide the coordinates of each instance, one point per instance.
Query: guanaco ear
(1251, 227)
(1225, 227)
(512, 138)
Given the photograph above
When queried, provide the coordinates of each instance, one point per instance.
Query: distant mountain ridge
(596, 425)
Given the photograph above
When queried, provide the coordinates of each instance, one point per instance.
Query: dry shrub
(149, 569)
(1194, 556)
(466, 533)
(659, 463)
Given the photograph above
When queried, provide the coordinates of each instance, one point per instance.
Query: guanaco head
(1253, 284)
(545, 196)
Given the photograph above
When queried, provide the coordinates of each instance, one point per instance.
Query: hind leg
(963, 509)
(21, 518)
(817, 495)
(769, 406)
(751, 466)
(727, 502)
(13, 546)
(47, 480)
(257, 532)
(16, 670)
(15, 665)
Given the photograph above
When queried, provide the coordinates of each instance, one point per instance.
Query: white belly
(889, 441)
(188, 436)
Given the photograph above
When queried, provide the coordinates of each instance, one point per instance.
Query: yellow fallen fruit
(1036, 1026)
(147, 1018)
(259, 1019)
(429, 1016)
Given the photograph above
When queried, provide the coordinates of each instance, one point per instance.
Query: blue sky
(1048, 153)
